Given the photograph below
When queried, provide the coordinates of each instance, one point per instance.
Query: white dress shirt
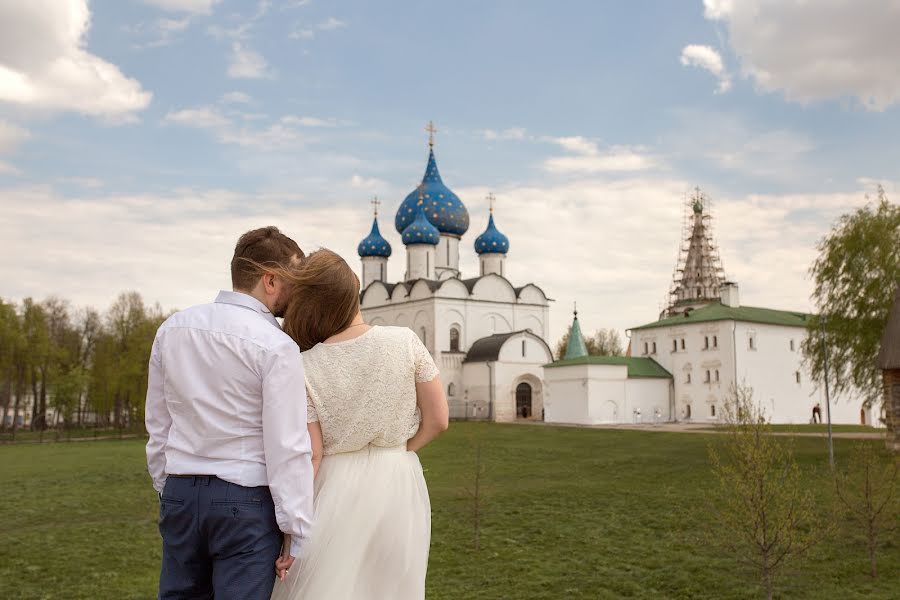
(226, 397)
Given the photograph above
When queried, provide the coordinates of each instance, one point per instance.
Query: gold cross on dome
(431, 129)
(375, 204)
(491, 199)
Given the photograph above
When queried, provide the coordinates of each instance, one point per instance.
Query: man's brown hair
(264, 247)
(324, 298)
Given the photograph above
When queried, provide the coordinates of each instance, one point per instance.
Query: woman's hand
(285, 561)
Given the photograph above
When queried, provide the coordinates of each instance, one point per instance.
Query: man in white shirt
(229, 451)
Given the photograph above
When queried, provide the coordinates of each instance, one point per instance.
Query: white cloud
(310, 121)
(331, 24)
(44, 63)
(367, 183)
(619, 273)
(513, 133)
(709, 59)
(246, 63)
(588, 158)
(203, 7)
(94, 246)
(236, 98)
(11, 135)
(201, 117)
(305, 32)
(275, 136)
(731, 142)
(819, 50)
(302, 33)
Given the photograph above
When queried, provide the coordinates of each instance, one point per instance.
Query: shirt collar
(247, 301)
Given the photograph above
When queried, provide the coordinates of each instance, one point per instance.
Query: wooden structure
(889, 363)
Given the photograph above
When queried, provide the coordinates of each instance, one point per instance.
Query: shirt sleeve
(426, 370)
(157, 418)
(286, 442)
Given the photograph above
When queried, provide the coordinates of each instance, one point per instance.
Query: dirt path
(705, 428)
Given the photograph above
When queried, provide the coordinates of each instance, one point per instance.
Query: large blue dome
(443, 208)
(491, 241)
(420, 231)
(374, 244)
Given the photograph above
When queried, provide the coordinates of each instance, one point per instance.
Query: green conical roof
(576, 347)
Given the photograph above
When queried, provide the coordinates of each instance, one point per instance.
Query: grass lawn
(571, 513)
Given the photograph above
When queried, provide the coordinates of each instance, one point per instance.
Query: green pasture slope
(569, 513)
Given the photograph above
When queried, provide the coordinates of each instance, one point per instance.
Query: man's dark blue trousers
(220, 540)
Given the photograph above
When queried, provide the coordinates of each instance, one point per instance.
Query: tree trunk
(34, 398)
(43, 397)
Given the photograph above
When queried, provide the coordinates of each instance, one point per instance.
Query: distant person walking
(817, 413)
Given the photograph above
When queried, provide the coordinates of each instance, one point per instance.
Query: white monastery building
(682, 367)
(488, 335)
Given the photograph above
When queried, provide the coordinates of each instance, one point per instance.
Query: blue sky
(138, 138)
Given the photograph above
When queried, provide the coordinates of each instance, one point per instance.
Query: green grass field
(571, 513)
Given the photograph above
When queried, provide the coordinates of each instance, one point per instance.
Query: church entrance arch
(523, 401)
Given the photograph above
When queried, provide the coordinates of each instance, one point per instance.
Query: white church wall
(531, 294)
(495, 289)
(651, 396)
(566, 399)
(770, 369)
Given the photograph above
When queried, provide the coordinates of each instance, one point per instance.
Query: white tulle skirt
(371, 533)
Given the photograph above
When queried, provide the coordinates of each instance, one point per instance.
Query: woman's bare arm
(315, 438)
(435, 414)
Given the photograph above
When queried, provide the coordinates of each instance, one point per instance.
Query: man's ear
(269, 283)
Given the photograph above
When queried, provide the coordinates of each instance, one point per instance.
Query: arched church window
(454, 339)
(423, 335)
(712, 410)
(451, 390)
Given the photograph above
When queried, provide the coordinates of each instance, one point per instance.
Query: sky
(140, 138)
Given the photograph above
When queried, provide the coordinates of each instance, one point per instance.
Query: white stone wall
(770, 369)
(420, 262)
(492, 264)
(447, 256)
(374, 268)
(595, 394)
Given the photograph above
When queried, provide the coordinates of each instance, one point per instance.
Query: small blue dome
(443, 208)
(420, 231)
(491, 241)
(374, 244)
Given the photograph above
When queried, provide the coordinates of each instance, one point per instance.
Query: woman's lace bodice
(363, 391)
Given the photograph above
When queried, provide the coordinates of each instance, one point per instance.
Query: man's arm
(286, 442)
(157, 420)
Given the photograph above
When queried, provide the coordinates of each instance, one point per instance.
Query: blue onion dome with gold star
(491, 241)
(442, 207)
(421, 231)
(374, 244)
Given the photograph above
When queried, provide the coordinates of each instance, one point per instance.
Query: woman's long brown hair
(323, 298)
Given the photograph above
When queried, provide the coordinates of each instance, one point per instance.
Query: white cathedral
(489, 336)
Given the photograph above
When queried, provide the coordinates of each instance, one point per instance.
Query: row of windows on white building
(709, 343)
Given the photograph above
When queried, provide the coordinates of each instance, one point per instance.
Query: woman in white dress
(374, 399)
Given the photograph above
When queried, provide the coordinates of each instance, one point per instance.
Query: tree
(604, 342)
(855, 277)
(867, 492)
(764, 514)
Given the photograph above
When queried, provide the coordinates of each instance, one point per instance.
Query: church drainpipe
(490, 367)
(734, 351)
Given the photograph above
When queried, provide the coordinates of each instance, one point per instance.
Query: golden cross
(375, 204)
(430, 128)
(491, 199)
